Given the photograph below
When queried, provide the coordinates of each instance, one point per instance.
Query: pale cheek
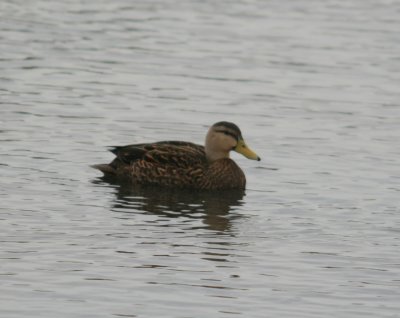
(230, 143)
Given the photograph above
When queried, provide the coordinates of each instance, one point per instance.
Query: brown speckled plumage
(175, 164)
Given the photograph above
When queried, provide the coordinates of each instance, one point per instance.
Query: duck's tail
(105, 168)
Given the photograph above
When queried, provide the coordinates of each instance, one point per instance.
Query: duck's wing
(167, 153)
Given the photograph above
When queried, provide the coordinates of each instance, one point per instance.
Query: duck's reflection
(212, 207)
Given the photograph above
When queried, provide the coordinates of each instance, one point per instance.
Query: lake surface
(314, 86)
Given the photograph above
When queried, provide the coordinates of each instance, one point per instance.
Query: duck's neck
(213, 155)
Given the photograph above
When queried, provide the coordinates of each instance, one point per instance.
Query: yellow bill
(243, 149)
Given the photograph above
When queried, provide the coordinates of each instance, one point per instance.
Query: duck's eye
(228, 133)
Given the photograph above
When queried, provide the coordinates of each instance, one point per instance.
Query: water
(314, 86)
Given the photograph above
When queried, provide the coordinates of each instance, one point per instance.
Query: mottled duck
(180, 164)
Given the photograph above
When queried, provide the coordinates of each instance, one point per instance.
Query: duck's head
(223, 137)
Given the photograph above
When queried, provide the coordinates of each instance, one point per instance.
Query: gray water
(314, 86)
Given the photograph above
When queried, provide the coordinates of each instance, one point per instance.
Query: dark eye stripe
(229, 134)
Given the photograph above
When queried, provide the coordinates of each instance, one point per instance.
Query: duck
(181, 164)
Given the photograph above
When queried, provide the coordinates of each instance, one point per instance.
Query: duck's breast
(224, 174)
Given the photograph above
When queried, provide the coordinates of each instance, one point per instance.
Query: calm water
(314, 85)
